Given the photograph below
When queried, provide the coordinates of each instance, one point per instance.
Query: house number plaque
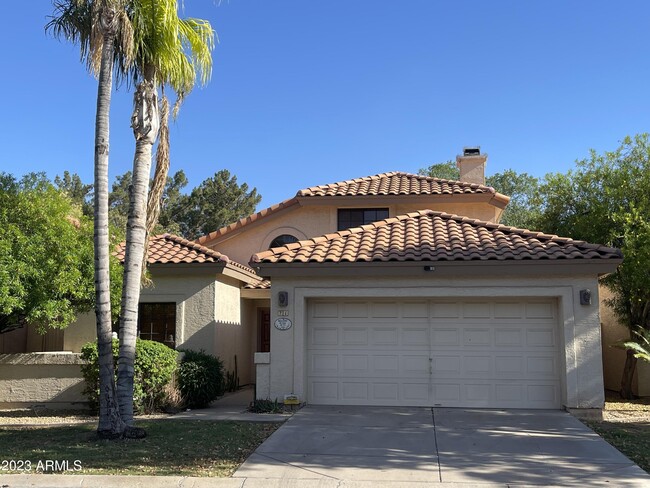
(282, 323)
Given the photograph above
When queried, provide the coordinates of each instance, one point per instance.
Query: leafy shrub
(200, 378)
(266, 406)
(154, 367)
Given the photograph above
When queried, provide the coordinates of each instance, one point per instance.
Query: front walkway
(232, 406)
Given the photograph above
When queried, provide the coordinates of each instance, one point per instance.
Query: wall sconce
(585, 297)
(283, 299)
(429, 268)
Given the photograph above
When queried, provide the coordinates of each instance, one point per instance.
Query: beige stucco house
(392, 289)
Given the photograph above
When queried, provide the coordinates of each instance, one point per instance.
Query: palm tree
(640, 347)
(169, 51)
(95, 25)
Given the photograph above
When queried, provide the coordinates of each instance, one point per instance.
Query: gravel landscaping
(43, 417)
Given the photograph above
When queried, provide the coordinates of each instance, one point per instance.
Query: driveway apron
(440, 445)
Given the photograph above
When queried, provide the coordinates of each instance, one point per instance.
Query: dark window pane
(157, 322)
(283, 240)
(354, 217)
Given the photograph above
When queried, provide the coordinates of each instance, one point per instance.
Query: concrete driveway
(375, 446)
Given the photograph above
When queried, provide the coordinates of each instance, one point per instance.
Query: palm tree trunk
(110, 423)
(145, 129)
(628, 375)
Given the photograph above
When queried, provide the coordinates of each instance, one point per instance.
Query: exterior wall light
(429, 268)
(585, 297)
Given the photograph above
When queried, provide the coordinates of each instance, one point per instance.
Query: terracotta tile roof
(395, 183)
(168, 248)
(260, 285)
(392, 183)
(247, 220)
(434, 236)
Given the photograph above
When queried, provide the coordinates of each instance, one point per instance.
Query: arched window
(283, 240)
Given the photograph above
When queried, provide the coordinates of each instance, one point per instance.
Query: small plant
(154, 366)
(232, 378)
(266, 406)
(200, 378)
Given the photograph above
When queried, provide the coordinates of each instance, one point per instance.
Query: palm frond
(173, 51)
(640, 347)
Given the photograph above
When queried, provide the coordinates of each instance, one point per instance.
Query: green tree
(172, 52)
(118, 201)
(521, 211)
(172, 202)
(46, 256)
(79, 192)
(520, 187)
(606, 200)
(446, 171)
(103, 31)
(216, 202)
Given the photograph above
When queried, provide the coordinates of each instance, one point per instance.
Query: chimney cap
(472, 151)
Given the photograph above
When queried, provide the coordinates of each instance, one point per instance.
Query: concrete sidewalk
(67, 481)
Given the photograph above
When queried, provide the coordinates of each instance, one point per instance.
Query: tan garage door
(451, 353)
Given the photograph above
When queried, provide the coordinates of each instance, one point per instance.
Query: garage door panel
(540, 337)
(540, 310)
(508, 310)
(415, 365)
(446, 365)
(508, 337)
(324, 364)
(477, 337)
(542, 367)
(355, 336)
(464, 353)
(415, 310)
(384, 336)
(384, 310)
(356, 364)
(354, 310)
(445, 310)
(478, 366)
(325, 310)
(351, 390)
(445, 337)
(325, 336)
(385, 364)
(477, 310)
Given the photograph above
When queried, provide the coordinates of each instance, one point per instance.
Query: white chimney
(472, 165)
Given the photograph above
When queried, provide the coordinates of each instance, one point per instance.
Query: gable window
(157, 322)
(283, 240)
(354, 217)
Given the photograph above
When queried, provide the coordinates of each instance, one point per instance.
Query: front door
(264, 330)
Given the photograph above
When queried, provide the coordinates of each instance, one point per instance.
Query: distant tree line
(214, 203)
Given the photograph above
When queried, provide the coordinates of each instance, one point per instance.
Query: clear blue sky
(306, 92)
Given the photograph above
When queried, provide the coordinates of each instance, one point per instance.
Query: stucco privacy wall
(232, 334)
(82, 331)
(582, 383)
(53, 380)
(309, 221)
(614, 358)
